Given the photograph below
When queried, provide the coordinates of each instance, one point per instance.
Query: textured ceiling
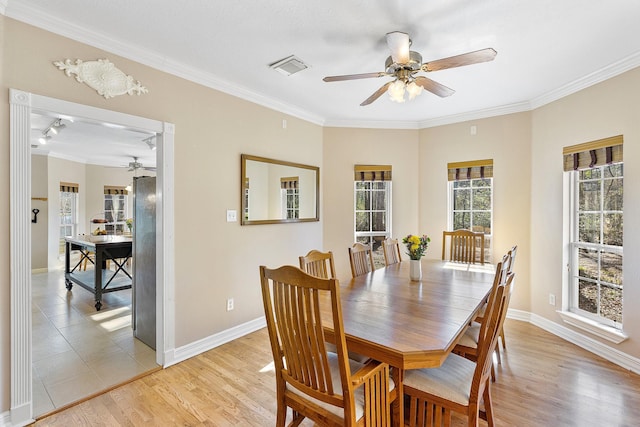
(546, 49)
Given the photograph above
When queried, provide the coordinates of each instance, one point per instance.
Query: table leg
(98, 278)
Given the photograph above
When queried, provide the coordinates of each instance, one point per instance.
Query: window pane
(613, 194)
(588, 263)
(589, 196)
(379, 200)
(362, 200)
(590, 174)
(379, 222)
(588, 296)
(482, 199)
(611, 268)
(481, 182)
(589, 228)
(362, 221)
(461, 200)
(482, 222)
(461, 220)
(612, 229)
(461, 184)
(379, 185)
(611, 303)
(362, 185)
(613, 170)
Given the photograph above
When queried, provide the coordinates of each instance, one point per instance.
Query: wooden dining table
(409, 324)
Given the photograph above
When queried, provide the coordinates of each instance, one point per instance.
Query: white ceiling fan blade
(398, 43)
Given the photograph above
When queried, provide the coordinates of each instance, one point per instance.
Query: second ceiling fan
(403, 64)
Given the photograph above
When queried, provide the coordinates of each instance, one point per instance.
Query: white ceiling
(546, 49)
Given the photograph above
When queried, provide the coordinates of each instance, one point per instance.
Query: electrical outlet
(552, 299)
(230, 304)
(232, 215)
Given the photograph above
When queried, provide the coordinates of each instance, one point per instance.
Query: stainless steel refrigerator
(144, 260)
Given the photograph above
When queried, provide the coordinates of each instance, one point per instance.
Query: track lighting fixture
(55, 127)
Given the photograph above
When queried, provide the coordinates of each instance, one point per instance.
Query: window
(290, 196)
(246, 199)
(596, 246)
(68, 212)
(471, 198)
(115, 209)
(372, 206)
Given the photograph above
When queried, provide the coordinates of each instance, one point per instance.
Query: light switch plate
(232, 215)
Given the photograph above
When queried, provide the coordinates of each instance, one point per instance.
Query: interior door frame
(22, 104)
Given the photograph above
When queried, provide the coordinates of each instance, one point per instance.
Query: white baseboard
(596, 347)
(193, 349)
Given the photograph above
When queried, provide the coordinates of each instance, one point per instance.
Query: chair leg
(504, 342)
(488, 408)
(498, 354)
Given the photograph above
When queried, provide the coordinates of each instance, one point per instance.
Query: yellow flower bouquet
(416, 245)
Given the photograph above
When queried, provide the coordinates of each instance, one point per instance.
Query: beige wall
(607, 109)
(346, 147)
(214, 259)
(506, 140)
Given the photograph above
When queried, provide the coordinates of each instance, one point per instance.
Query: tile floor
(78, 351)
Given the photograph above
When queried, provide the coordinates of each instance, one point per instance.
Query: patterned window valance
(109, 189)
(289, 182)
(475, 169)
(69, 187)
(591, 154)
(372, 172)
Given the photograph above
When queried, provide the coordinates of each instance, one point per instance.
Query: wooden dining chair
(459, 385)
(512, 260)
(467, 346)
(319, 264)
(464, 246)
(325, 387)
(391, 249)
(361, 259)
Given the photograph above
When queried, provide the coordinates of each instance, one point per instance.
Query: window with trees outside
(471, 198)
(115, 209)
(290, 197)
(68, 212)
(596, 247)
(372, 207)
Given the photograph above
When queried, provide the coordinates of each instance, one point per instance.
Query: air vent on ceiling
(289, 65)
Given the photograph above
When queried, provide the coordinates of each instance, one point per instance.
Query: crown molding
(476, 115)
(610, 71)
(371, 124)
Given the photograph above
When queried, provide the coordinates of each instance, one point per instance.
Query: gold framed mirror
(276, 191)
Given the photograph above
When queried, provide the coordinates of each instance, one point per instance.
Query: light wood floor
(543, 381)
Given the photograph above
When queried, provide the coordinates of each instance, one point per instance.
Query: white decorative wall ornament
(103, 76)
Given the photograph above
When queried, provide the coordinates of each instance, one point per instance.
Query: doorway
(22, 105)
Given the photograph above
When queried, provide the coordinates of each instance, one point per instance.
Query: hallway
(78, 351)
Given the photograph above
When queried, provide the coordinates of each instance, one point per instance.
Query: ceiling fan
(135, 165)
(403, 64)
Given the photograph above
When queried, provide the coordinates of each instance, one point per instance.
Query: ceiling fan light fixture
(396, 91)
(413, 90)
